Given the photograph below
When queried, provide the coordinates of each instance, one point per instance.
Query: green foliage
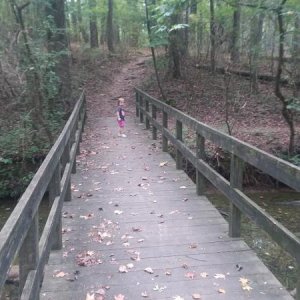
(294, 104)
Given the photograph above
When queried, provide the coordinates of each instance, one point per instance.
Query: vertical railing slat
(164, 138)
(154, 116)
(200, 153)
(29, 252)
(180, 138)
(236, 181)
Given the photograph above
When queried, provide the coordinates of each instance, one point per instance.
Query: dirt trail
(102, 98)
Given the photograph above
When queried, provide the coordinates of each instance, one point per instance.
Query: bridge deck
(131, 210)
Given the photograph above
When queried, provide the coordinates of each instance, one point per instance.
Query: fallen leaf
(204, 274)
(119, 297)
(90, 296)
(163, 163)
(149, 270)
(123, 269)
(182, 187)
(144, 294)
(221, 291)
(219, 276)
(190, 275)
(60, 274)
(178, 298)
(130, 266)
(158, 288)
(118, 212)
(196, 296)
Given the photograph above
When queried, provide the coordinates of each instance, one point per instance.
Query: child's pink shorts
(121, 123)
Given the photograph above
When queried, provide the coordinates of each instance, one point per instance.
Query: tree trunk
(153, 52)
(74, 19)
(235, 51)
(58, 44)
(255, 44)
(174, 51)
(94, 41)
(110, 27)
(286, 113)
(296, 57)
(82, 30)
(212, 37)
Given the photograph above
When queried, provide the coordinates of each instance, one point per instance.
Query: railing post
(141, 107)
(29, 252)
(154, 129)
(236, 181)
(64, 160)
(73, 140)
(147, 118)
(164, 138)
(200, 153)
(54, 191)
(179, 138)
(137, 104)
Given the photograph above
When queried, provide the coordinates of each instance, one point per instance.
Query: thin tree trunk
(255, 40)
(110, 28)
(174, 52)
(82, 29)
(296, 56)
(235, 51)
(153, 53)
(286, 113)
(94, 41)
(58, 44)
(212, 37)
(74, 19)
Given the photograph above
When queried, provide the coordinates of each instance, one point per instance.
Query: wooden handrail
(20, 234)
(241, 153)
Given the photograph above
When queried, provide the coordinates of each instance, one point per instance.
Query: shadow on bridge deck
(136, 228)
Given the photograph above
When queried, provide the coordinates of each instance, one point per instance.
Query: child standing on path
(121, 117)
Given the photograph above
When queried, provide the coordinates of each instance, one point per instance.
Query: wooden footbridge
(131, 225)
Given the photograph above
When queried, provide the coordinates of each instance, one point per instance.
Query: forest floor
(253, 118)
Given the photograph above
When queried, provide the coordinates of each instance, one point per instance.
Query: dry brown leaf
(119, 297)
(123, 269)
(221, 291)
(144, 294)
(190, 275)
(196, 296)
(90, 296)
(219, 276)
(204, 274)
(60, 274)
(149, 270)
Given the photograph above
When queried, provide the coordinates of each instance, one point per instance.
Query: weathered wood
(154, 115)
(178, 137)
(147, 110)
(200, 153)
(277, 168)
(236, 181)
(167, 224)
(165, 126)
(140, 110)
(28, 255)
(241, 152)
(21, 231)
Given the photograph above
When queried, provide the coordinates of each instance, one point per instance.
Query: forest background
(233, 64)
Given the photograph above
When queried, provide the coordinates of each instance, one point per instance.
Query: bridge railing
(19, 238)
(241, 153)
